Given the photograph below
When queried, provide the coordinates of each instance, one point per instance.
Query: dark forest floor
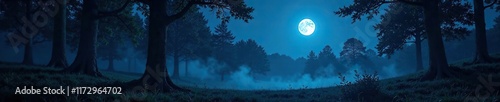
(467, 86)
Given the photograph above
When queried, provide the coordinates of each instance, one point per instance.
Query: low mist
(201, 76)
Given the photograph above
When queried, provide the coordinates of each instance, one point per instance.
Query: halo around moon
(306, 27)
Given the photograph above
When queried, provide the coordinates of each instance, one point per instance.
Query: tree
(482, 55)
(405, 22)
(58, 58)
(326, 56)
(352, 52)
(202, 49)
(85, 61)
(311, 64)
(25, 20)
(111, 50)
(253, 55)
(115, 31)
(185, 35)
(158, 18)
(438, 63)
(222, 42)
(113, 35)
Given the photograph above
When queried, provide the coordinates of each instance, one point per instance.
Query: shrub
(365, 88)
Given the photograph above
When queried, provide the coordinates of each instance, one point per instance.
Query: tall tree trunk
(176, 67)
(156, 76)
(111, 65)
(58, 58)
(481, 45)
(28, 52)
(186, 73)
(418, 45)
(438, 63)
(85, 61)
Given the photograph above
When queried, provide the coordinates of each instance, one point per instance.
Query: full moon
(306, 27)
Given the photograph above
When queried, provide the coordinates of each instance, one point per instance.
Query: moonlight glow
(306, 27)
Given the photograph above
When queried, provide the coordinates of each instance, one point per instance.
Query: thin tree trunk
(418, 45)
(85, 61)
(480, 25)
(176, 67)
(28, 53)
(156, 76)
(58, 58)
(438, 63)
(111, 65)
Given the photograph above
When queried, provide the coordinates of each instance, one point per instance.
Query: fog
(200, 76)
(281, 76)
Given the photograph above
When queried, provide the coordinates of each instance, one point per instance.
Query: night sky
(275, 26)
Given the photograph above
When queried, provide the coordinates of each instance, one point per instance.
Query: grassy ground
(407, 88)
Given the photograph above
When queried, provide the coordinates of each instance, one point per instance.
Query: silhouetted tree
(111, 50)
(185, 36)
(25, 21)
(224, 49)
(58, 58)
(115, 31)
(158, 18)
(326, 58)
(202, 49)
(285, 66)
(406, 22)
(85, 61)
(432, 22)
(311, 64)
(253, 55)
(482, 55)
(352, 52)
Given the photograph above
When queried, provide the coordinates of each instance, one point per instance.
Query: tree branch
(124, 24)
(147, 2)
(491, 4)
(113, 12)
(186, 9)
(405, 1)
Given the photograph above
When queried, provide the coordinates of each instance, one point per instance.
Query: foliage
(115, 31)
(122, 25)
(12, 13)
(365, 88)
(352, 52)
(223, 49)
(316, 64)
(253, 55)
(188, 35)
(326, 56)
(406, 22)
(400, 22)
(311, 64)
